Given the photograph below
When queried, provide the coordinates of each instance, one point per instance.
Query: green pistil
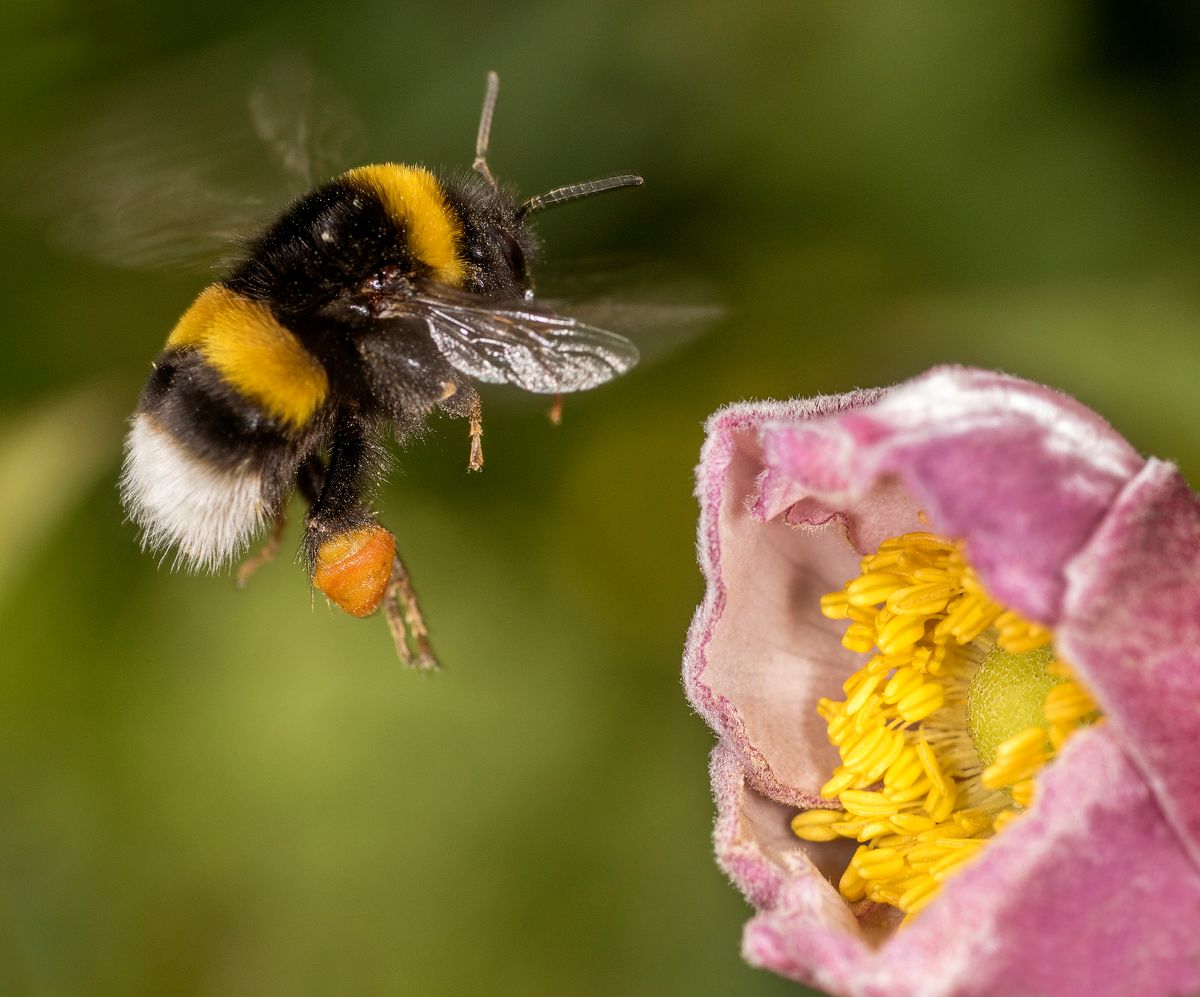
(1006, 695)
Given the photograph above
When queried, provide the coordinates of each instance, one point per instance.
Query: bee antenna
(577, 191)
(480, 165)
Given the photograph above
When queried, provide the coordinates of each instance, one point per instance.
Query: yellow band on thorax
(414, 200)
(254, 354)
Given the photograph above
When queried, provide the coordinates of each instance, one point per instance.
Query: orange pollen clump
(354, 568)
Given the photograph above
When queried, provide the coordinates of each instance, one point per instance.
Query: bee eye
(515, 255)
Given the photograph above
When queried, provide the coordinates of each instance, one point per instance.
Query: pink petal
(758, 654)
(1023, 473)
(1131, 628)
(1051, 907)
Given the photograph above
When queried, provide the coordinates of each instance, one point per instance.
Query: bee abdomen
(206, 464)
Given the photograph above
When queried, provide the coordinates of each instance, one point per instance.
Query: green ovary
(1005, 696)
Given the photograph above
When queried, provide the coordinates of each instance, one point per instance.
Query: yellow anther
(863, 614)
(944, 830)
(1004, 818)
(865, 803)
(900, 632)
(923, 541)
(959, 844)
(835, 606)
(852, 886)
(873, 588)
(1027, 743)
(936, 576)
(865, 689)
(922, 702)
(859, 637)
(814, 825)
(884, 757)
(840, 729)
(973, 821)
(1060, 668)
(848, 828)
(878, 665)
(901, 684)
(942, 869)
(902, 658)
(911, 823)
(908, 794)
(863, 753)
(1003, 774)
(1020, 636)
(842, 778)
(976, 620)
(932, 769)
(924, 855)
(869, 717)
(905, 770)
(875, 829)
(878, 863)
(1067, 702)
(940, 805)
(1059, 734)
(1023, 792)
(923, 600)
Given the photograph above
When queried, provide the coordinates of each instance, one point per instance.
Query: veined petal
(1131, 626)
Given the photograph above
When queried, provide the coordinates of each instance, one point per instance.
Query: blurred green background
(223, 793)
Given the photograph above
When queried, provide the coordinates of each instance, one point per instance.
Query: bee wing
(169, 170)
(311, 130)
(521, 343)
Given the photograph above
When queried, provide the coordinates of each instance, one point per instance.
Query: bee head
(498, 242)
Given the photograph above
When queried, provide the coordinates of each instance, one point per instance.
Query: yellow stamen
(814, 825)
(915, 788)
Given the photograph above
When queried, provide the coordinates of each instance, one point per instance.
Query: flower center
(943, 731)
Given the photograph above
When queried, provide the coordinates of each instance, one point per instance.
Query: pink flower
(1096, 889)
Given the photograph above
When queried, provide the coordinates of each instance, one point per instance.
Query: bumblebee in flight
(372, 301)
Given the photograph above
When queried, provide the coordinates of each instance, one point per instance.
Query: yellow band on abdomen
(254, 354)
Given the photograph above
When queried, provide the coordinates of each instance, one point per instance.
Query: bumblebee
(373, 301)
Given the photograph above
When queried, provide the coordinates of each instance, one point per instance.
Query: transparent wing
(521, 342)
(641, 298)
(311, 129)
(174, 167)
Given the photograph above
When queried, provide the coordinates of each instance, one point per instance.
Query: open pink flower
(1096, 889)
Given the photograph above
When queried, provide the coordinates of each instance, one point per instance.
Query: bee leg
(265, 554)
(405, 621)
(475, 423)
(556, 410)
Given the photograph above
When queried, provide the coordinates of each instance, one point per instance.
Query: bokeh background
(212, 792)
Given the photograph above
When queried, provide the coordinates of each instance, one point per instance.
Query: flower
(1095, 887)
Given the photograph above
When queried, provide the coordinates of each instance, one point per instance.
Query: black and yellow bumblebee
(373, 300)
